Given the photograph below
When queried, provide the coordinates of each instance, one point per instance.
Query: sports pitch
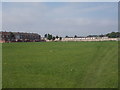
(60, 65)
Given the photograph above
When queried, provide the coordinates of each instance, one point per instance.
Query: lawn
(60, 65)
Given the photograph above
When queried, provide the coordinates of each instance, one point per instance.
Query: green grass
(60, 65)
(0, 65)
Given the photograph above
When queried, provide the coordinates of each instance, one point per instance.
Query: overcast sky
(60, 18)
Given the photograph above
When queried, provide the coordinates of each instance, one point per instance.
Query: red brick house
(19, 37)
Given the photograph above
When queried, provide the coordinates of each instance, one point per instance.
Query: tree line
(113, 35)
(109, 35)
(51, 37)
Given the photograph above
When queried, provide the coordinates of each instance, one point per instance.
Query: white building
(90, 39)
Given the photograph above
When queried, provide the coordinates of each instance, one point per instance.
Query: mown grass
(60, 65)
(0, 65)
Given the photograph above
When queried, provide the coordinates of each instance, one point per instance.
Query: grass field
(60, 65)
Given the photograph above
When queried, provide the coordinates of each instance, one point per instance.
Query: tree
(57, 37)
(12, 36)
(60, 38)
(53, 38)
(101, 35)
(118, 34)
(49, 37)
(45, 35)
(75, 36)
(66, 36)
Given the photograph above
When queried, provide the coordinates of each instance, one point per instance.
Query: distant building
(90, 39)
(19, 37)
